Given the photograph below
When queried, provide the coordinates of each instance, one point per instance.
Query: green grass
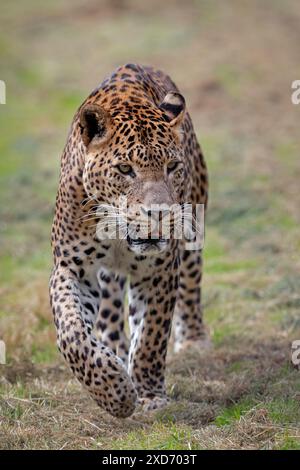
(46, 354)
(159, 437)
(222, 266)
(284, 411)
(229, 77)
(12, 413)
(289, 443)
(280, 411)
(233, 413)
(224, 333)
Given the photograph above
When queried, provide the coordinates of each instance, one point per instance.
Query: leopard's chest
(115, 256)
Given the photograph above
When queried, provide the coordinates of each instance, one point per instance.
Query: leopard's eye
(171, 166)
(124, 168)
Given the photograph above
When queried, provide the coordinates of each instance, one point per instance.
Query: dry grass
(234, 62)
(246, 399)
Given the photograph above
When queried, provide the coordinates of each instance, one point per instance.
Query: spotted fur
(136, 118)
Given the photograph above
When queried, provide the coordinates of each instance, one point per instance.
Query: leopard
(117, 301)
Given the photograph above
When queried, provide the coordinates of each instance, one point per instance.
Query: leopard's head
(135, 167)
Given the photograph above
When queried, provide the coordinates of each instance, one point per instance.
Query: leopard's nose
(156, 214)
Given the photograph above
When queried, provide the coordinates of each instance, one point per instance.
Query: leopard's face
(135, 170)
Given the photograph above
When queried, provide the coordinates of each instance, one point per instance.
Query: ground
(234, 62)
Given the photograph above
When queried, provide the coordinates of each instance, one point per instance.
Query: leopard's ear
(173, 106)
(95, 124)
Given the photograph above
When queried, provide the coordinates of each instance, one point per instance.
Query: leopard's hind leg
(188, 328)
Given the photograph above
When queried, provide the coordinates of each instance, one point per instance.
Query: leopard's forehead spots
(141, 136)
(141, 127)
(130, 96)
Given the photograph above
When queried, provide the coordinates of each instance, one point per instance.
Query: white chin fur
(148, 249)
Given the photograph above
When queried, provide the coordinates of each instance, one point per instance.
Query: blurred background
(234, 62)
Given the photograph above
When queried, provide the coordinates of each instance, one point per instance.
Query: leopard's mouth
(147, 245)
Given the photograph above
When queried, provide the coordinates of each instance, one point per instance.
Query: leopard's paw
(146, 404)
(202, 344)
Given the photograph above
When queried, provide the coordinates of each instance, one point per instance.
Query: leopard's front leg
(109, 324)
(151, 306)
(96, 366)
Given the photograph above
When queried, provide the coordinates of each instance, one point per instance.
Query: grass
(233, 413)
(159, 436)
(244, 394)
